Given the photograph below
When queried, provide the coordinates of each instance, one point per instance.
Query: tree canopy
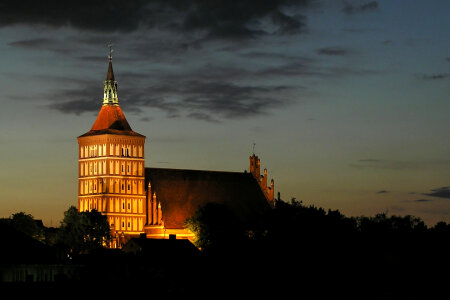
(25, 223)
(84, 231)
(214, 225)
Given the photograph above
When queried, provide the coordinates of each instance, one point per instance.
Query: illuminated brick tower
(111, 167)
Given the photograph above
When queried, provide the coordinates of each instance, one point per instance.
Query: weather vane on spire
(110, 51)
(254, 144)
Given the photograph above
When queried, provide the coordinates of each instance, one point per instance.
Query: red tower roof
(111, 117)
(111, 120)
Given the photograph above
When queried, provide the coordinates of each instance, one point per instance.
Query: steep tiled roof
(111, 120)
(182, 192)
(111, 117)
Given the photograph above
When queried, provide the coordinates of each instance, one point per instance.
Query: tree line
(79, 232)
(216, 226)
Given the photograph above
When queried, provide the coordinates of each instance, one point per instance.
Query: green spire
(110, 86)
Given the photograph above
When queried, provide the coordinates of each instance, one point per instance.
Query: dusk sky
(347, 101)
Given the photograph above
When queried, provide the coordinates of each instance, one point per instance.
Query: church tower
(111, 168)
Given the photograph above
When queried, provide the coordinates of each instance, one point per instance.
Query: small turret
(255, 167)
(255, 170)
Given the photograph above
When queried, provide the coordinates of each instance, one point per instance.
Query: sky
(347, 102)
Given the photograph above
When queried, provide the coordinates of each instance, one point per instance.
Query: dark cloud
(442, 192)
(423, 200)
(382, 192)
(273, 56)
(398, 165)
(33, 43)
(53, 45)
(242, 19)
(217, 19)
(88, 15)
(198, 99)
(208, 93)
(146, 119)
(77, 106)
(357, 6)
(369, 160)
(436, 76)
(385, 164)
(332, 51)
(369, 6)
(209, 100)
(202, 117)
(287, 24)
(387, 42)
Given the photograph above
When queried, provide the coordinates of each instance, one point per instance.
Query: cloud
(442, 192)
(356, 6)
(47, 44)
(216, 19)
(146, 119)
(398, 165)
(206, 100)
(202, 117)
(33, 43)
(94, 15)
(436, 76)
(211, 100)
(210, 92)
(332, 51)
(370, 160)
(382, 192)
(76, 106)
(274, 56)
(242, 19)
(423, 200)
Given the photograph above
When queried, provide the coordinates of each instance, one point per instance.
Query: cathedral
(113, 179)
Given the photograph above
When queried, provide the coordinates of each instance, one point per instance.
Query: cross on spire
(110, 51)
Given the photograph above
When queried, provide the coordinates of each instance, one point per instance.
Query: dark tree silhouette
(215, 226)
(83, 231)
(25, 223)
(442, 228)
(382, 224)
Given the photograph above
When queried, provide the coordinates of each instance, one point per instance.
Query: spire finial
(254, 144)
(110, 51)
